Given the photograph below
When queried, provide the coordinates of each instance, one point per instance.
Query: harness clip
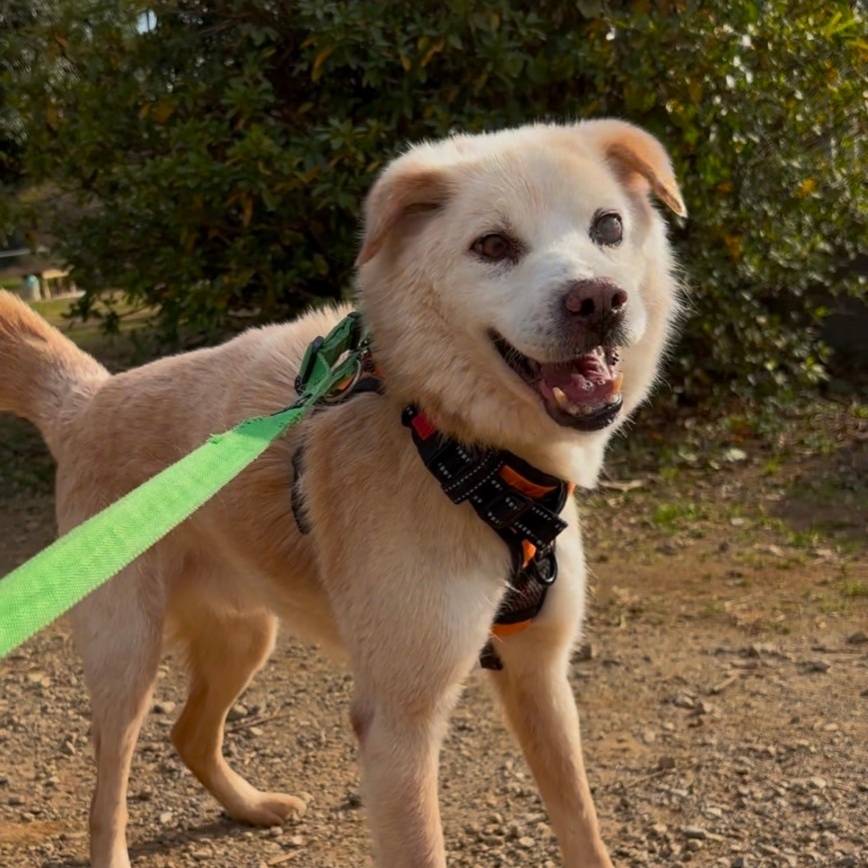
(324, 353)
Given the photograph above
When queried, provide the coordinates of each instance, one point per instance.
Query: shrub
(213, 156)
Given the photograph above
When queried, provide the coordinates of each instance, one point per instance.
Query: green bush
(212, 157)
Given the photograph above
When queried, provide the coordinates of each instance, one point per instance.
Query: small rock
(757, 649)
(696, 833)
(665, 763)
(14, 800)
(165, 707)
(165, 818)
(694, 844)
(683, 700)
(858, 638)
(649, 736)
(818, 783)
(739, 862)
(237, 712)
(587, 651)
(722, 685)
(703, 708)
(819, 666)
(826, 554)
(527, 843)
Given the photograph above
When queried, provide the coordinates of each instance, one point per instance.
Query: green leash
(52, 582)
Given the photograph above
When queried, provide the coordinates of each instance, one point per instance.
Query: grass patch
(670, 516)
(854, 590)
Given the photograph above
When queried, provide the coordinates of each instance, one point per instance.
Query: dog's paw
(269, 809)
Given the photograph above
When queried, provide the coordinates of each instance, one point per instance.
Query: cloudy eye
(607, 230)
(495, 248)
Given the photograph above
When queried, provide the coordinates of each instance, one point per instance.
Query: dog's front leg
(411, 646)
(541, 710)
(400, 747)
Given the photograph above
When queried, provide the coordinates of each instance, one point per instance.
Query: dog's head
(519, 285)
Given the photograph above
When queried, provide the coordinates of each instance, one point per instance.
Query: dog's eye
(607, 230)
(495, 247)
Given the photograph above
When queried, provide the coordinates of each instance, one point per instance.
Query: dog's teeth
(565, 405)
(617, 382)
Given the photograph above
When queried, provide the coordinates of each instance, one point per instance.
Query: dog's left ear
(638, 158)
(403, 195)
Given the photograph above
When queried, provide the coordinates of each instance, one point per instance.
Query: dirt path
(723, 692)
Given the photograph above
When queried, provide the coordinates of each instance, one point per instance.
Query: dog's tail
(40, 368)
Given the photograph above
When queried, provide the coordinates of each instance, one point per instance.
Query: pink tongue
(591, 385)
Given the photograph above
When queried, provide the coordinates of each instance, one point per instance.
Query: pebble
(696, 833)
(587, 651)
(819, 666)
(165, 818)
(165, 707)
(858, 638)
(237, 712)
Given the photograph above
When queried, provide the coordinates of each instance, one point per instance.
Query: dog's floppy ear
(638, 158)
(397, 200)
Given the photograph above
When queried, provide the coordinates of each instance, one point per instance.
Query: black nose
(595, 303)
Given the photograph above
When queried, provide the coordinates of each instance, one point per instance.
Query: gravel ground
(723, 689)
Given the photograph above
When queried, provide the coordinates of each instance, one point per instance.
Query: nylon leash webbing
(49, 584)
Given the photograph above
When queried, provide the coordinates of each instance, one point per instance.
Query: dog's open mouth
(583, 393)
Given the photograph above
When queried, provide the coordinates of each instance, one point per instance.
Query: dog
(520, 291)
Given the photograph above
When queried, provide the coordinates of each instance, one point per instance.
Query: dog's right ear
(401, 196)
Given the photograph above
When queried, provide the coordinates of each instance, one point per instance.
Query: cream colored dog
(520, 290)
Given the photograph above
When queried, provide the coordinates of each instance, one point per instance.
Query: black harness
(520, 503)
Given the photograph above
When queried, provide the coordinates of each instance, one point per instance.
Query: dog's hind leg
(224, 652)
(118, 631)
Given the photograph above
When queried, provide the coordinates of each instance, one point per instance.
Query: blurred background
(204, 163)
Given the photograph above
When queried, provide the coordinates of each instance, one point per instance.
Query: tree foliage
(217, 153)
